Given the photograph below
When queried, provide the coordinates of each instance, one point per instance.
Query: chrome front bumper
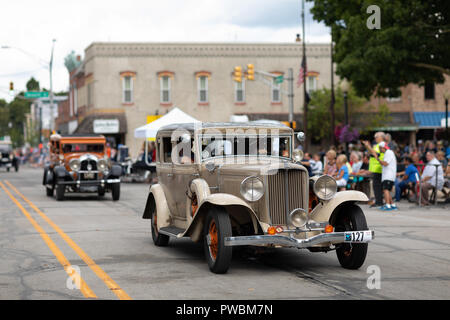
(286, 241)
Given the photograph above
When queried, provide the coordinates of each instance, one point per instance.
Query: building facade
(127, 82)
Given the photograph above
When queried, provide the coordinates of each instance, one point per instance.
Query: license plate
(89, 175)
(358, 236)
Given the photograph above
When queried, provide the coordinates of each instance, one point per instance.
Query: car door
(165, 173)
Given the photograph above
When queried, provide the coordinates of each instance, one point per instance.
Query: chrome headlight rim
(325, 187)
(249, 194)
(299, 217)
(297, 155)
(102, 165)
(75, 164)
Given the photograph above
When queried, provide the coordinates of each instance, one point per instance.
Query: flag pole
(305, 103)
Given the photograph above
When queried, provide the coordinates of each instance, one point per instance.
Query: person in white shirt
(316, 164)
(388, 174)
(428, 179)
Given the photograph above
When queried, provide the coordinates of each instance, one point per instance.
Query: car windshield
(5, 148)
(272, 146)
(82, 147)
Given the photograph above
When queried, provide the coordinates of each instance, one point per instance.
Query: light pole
(52, 124)
(446, 97)
(345, 86)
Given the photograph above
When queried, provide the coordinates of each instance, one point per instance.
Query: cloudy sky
(28, 28)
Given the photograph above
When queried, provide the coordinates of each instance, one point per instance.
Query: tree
(4, 118)
(18, 108)
(412, 44)
(362, 116)
(33, 85)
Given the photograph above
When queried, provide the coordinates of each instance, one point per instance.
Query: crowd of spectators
(392, 171)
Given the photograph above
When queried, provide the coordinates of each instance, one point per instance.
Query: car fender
(48, 177)
(156, 197)
(237, 208)
(324, 210)
(60, 172)
(116, 171)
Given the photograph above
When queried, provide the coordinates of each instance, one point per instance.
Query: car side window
(167, 150)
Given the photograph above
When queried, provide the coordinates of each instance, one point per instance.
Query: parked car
(78, 163)
(8, 158)
(228, 184)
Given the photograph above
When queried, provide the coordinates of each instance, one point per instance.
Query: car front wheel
(351, 255)
(160, 240)
(60, 189)
(217, 227)
(115, 191)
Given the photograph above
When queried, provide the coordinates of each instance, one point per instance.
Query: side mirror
(301, 136)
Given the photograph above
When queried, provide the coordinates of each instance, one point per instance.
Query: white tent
(174, 116)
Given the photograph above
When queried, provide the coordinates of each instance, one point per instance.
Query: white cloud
(31, 26)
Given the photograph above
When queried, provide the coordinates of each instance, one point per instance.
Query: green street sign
(36, 94)
(279, 79)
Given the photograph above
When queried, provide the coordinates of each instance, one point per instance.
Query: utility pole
(291, 97)
(305, 103)
(333, 138)
(52, 120)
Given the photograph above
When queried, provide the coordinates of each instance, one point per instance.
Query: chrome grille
(279, 198)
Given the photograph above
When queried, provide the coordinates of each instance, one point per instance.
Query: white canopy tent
(174, 116)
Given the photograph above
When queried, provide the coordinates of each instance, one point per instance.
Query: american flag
(302, 72)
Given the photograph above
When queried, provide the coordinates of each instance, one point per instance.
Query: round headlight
(74, 164)
(299, 217)
(102, 165)
(297, 155)
(252, 189)
(325, 187)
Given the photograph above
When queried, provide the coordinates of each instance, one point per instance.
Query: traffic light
(11, 86)
(237, 74)
(250, 72)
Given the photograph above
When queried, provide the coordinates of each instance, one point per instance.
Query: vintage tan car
(228, 184)
(78, 163)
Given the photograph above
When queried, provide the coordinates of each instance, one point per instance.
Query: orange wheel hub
(213, 245)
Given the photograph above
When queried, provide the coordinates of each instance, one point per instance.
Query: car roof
(205, 125)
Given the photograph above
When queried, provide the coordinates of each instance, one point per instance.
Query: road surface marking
(84, 288)
(111, 284)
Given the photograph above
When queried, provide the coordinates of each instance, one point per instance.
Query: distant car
(8, 159)
(80, 164)
(228, 184)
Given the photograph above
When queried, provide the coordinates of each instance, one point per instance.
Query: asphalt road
(109, 247)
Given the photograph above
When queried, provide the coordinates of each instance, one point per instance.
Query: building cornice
(196, 50)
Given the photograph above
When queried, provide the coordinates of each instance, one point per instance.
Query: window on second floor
(239, 95)
(127, 87)
(275, 92)
(311, 84)
(202, 89)
(429, 91)
(165, 89)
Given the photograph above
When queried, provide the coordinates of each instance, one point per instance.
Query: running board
(172, 231)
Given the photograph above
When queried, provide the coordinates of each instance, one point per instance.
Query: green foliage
(319, 116)
(361, 115)
(4, 118)
(412, 45)
(33, 85)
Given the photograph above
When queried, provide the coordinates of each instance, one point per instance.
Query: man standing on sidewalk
(388, 175)
(375, 168)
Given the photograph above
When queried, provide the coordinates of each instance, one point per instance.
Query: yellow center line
(84, 288)
(112, 285)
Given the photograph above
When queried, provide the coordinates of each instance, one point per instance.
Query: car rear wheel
(351, 255)
(217, 227)
(60, 189)
(50, 191)
(116, 191)
(160, 240)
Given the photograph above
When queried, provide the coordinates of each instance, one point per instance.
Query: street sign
(279, 79)
(36, 94)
